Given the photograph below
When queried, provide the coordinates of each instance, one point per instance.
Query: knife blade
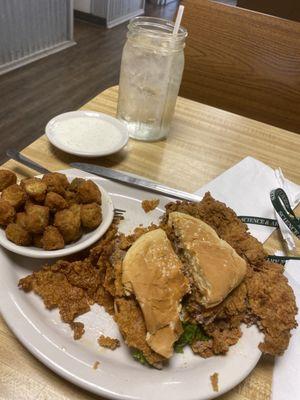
(17, 156)
(135, 181)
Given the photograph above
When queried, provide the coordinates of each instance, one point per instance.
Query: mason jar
(151, 73)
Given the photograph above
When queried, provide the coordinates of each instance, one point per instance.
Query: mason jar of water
(151, 72)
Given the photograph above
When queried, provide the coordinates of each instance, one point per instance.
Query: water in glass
(151, 72)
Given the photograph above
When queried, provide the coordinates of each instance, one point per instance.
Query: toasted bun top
(214, 265)
(153, 272)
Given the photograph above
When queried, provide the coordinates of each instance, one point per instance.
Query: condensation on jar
(151, 73)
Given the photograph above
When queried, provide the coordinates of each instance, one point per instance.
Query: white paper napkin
(246, 189)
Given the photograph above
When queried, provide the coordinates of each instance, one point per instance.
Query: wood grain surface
(289, 9)
(204, 142)
(243, 61)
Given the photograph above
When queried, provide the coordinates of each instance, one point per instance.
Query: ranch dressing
(87, 134)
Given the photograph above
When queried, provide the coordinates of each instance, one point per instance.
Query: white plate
(86, 240)
(92, 134)
(118, 375)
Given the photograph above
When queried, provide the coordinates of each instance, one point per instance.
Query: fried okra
(37, 218)
(55, 202)
(75, 183)
(35, 188)
(15, 195)
(7, 212)
(88, 192)
(49, 212)
(17, 234)
(37, 240)
(76, 210)
(91, 216)
(28, 204)
(52, 239)
(21, 219)
(71, 197)
(7, 178)
(68, 225)
(56, 182)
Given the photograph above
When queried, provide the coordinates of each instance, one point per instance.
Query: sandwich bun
(152, 271)
(215, 267)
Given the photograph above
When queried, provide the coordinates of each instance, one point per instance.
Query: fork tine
(119, 213)
(117, 217)
(120, 210)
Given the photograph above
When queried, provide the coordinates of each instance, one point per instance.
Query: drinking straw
(170, 59)
(178, 20)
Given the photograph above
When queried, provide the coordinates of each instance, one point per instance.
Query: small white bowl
(87, 133)
(86, 240)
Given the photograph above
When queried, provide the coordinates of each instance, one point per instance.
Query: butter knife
(135, 181)
(17, 156)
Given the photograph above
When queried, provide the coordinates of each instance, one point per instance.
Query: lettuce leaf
(191, 333)
(139, 356)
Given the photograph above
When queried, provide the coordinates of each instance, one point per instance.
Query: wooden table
(204, 142)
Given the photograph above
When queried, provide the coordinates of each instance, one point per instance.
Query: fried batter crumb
(96, 364)
(272, 301)
(108, 342)
(203, 348)
(78, 329)
(70, 287)
(214, 379)
(149, 205)
(131, 323)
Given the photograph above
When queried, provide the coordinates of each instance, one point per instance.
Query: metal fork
(119, 213)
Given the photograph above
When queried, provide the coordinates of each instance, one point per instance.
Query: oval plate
(118, 376)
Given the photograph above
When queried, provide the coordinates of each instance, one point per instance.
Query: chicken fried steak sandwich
(194, 279)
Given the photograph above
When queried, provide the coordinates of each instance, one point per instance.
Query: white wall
(115, 12)
(31, 29)
(83, 5)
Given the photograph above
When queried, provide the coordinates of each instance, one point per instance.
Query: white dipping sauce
(87, 134)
